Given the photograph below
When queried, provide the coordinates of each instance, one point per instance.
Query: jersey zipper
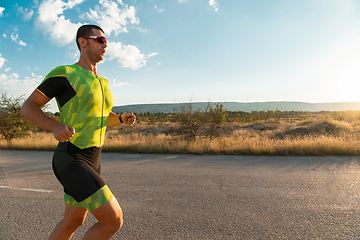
(102, 107)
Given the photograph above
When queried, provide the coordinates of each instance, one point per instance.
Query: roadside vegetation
(213, 130)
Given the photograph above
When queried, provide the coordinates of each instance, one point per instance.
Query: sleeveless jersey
(84, 102)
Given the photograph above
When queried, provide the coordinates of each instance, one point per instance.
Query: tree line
(14, 125)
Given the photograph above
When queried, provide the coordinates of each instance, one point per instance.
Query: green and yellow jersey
(84, 102)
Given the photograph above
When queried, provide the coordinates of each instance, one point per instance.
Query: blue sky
(204, 50)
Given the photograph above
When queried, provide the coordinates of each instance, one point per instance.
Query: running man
(85, 102)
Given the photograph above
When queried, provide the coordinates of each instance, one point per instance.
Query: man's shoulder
(59, 71)
(62, 70)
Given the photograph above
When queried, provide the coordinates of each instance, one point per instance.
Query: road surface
(193, 197)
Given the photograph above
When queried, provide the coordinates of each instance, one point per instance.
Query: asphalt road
(194, 197)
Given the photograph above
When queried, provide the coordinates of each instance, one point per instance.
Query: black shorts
(78, 170)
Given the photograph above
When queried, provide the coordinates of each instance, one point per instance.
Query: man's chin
(100, 58)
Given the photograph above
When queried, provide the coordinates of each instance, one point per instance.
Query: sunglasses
(98, 39)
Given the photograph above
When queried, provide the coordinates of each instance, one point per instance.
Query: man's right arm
(32, 111)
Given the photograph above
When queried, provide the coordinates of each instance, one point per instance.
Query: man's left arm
(127, 118)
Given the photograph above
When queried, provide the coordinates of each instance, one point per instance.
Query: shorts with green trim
(78, 170)
(99, 198)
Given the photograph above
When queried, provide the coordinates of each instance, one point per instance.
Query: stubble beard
(95, 57)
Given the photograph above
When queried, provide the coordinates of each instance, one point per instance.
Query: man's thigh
(108, 212)
(74, 213)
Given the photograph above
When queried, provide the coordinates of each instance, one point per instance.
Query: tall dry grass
(41, 141)
(313, 136)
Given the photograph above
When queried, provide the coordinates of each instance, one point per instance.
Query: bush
(191, 120)
(12, 123)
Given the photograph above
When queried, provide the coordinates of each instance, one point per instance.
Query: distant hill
(245, 107)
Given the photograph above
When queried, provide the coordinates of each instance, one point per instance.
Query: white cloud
(119, 84)
(2, 61)
(13, 84)
(141, 30)
(15, 39)
(22, 43)
(214, 4)
(27, 14)
(3, 77)
(7, 69)
(112, 17)
(52, 21)
(152, 54)
(4, 35)
(128, 55)
(160, 10)
(15, 75)
(72, 3)
(180, 1)
(2, 11)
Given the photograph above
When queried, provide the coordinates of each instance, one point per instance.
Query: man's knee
(74, 222)
(110, 216)
(114, 223)
(117, 223)
(111, 226)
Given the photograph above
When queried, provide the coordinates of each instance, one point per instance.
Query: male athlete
(85, 102)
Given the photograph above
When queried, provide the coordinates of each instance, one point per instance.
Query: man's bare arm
(32, 111)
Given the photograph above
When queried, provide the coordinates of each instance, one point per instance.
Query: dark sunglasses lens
(101, 40)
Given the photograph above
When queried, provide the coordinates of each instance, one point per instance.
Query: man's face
(96, 50)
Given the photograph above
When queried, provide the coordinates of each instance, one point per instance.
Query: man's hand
(63, 133)
(128, 118)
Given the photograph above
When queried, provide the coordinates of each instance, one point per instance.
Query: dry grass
(41, 141)
(313, 136)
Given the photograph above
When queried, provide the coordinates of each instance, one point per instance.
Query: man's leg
(110, 220)
(73, 218)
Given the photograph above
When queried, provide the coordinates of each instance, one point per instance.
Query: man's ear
(82, 42)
